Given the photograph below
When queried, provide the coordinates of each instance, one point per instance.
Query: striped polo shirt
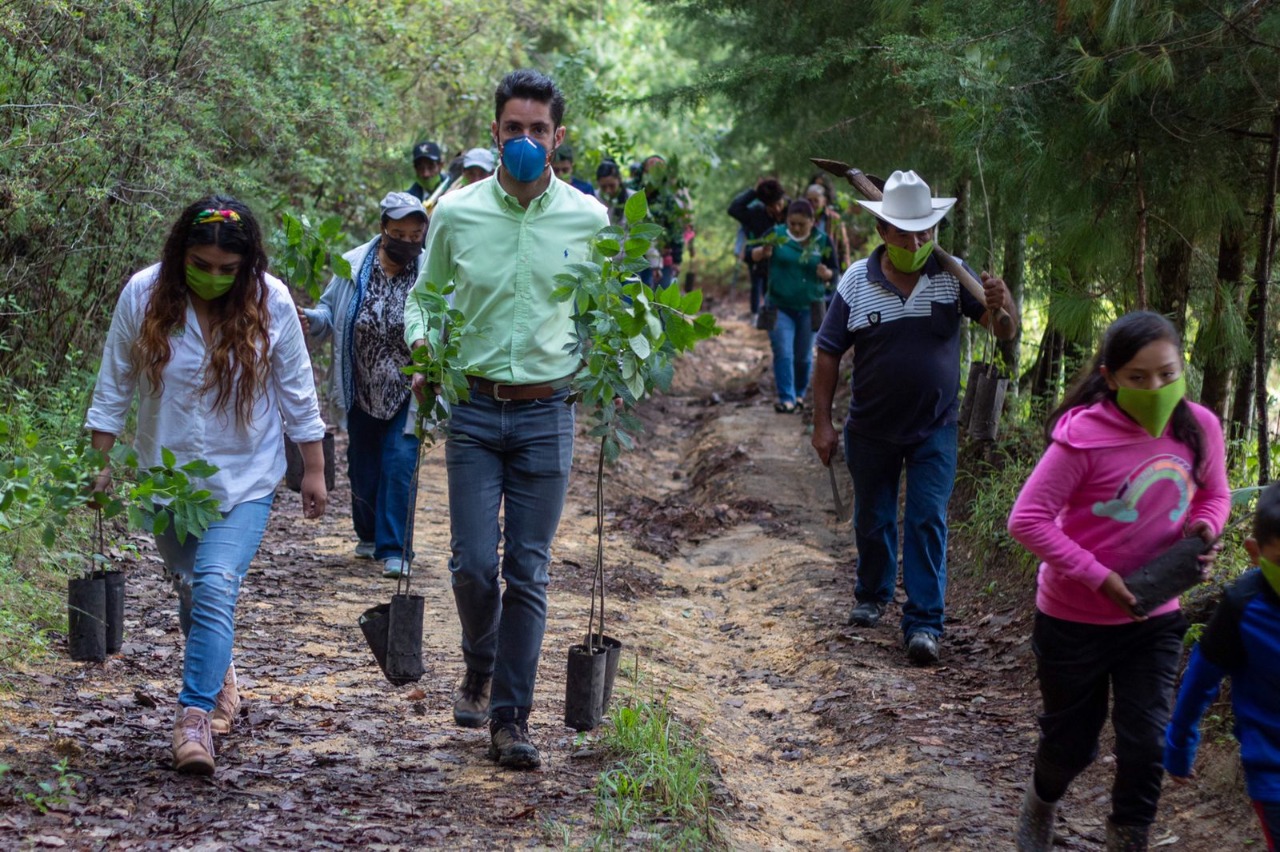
(906, 349)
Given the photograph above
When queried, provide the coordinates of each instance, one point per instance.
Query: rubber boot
(1035, 823)
(1126, 838)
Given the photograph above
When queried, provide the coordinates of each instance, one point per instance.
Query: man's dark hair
(608, 168)
(1266, 518)
(528, 84)
(769, 191)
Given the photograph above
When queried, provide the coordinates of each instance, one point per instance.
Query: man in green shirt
(502, 241)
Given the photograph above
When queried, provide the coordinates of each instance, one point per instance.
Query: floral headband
(208, 217)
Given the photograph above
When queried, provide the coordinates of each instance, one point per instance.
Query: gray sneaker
(922, 648)
(471, 702)
(510, 746)
(865, 614)
(392, 567)
(365, 550)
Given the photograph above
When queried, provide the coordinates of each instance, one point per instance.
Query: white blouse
(250, 459)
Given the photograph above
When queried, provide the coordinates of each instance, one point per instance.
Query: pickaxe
(863, 183)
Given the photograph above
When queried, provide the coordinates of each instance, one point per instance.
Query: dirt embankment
(729, 581)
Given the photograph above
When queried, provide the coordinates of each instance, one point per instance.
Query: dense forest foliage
(1121, 153)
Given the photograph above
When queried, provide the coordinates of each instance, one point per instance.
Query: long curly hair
(1121, 343)
(236, 361)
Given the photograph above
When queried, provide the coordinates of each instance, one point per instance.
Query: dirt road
(729, 581)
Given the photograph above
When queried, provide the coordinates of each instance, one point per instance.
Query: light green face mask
(1152, 408)
(909, 261)
(1271, 571)
(208, 286)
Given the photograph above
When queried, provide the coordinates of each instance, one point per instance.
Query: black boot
(1126, 838)
(1035, 823)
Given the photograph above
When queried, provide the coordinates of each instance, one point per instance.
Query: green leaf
(167, 457)
(635, 247)
(200, 468)
(636, 209)
(609, 247)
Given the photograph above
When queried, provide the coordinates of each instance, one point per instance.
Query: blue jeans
(380, 462)
(792, 341)
(877, 468)
(207, 573)
(1269, 817)
(514, 456)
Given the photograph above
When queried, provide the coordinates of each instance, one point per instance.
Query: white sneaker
(392, 567)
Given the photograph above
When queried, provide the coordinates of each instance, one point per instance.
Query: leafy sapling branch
(48, 480)
(301, 251)
(440, 360)
(626, 333)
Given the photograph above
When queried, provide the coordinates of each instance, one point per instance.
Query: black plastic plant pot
(87, 618)
(293, 466)
(1168, 575)
(984, 420)
(612, 653)
(976, 369)
(584, 687)
(114, 607)
(404, 639)
(373, 624)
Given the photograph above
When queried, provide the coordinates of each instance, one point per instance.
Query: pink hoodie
(1106, 496)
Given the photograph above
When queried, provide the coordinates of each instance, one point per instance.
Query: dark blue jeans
(792, 342)
(877, 468)
(1269, 817)
(1078, 665)
(380, 460)
(513, 456)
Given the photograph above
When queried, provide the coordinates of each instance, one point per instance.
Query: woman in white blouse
(212, 348)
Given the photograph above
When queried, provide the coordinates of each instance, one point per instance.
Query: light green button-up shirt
(503, 260)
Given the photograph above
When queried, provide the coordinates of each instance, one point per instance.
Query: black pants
(759, 283)
(1077, 665)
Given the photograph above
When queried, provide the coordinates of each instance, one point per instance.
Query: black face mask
(402, 252)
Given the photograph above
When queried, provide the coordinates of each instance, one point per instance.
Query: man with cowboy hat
(900, 311)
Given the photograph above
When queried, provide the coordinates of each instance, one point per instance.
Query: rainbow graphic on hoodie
(1124, 506)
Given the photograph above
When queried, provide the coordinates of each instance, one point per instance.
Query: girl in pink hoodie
(1131, 468)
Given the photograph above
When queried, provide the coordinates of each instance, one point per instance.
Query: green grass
(658, 795)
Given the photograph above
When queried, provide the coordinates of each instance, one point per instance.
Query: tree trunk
(1173, 282)
(1259, 303)
(1141, 261)
(1213, 354)
(1015, 264)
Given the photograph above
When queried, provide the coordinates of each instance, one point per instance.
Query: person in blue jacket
(1242, 641)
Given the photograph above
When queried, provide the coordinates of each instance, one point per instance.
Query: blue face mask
(524, 158)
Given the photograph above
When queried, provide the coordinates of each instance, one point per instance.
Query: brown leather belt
(517, 393)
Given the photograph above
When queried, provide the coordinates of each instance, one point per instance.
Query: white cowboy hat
(907, 203)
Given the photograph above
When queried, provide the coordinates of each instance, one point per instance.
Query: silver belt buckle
(497, 386)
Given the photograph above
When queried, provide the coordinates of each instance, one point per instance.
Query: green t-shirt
(793, 270)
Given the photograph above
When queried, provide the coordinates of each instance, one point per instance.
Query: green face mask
(1152, 408)
(909, 261)
(208, 286)
(1271, 571)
